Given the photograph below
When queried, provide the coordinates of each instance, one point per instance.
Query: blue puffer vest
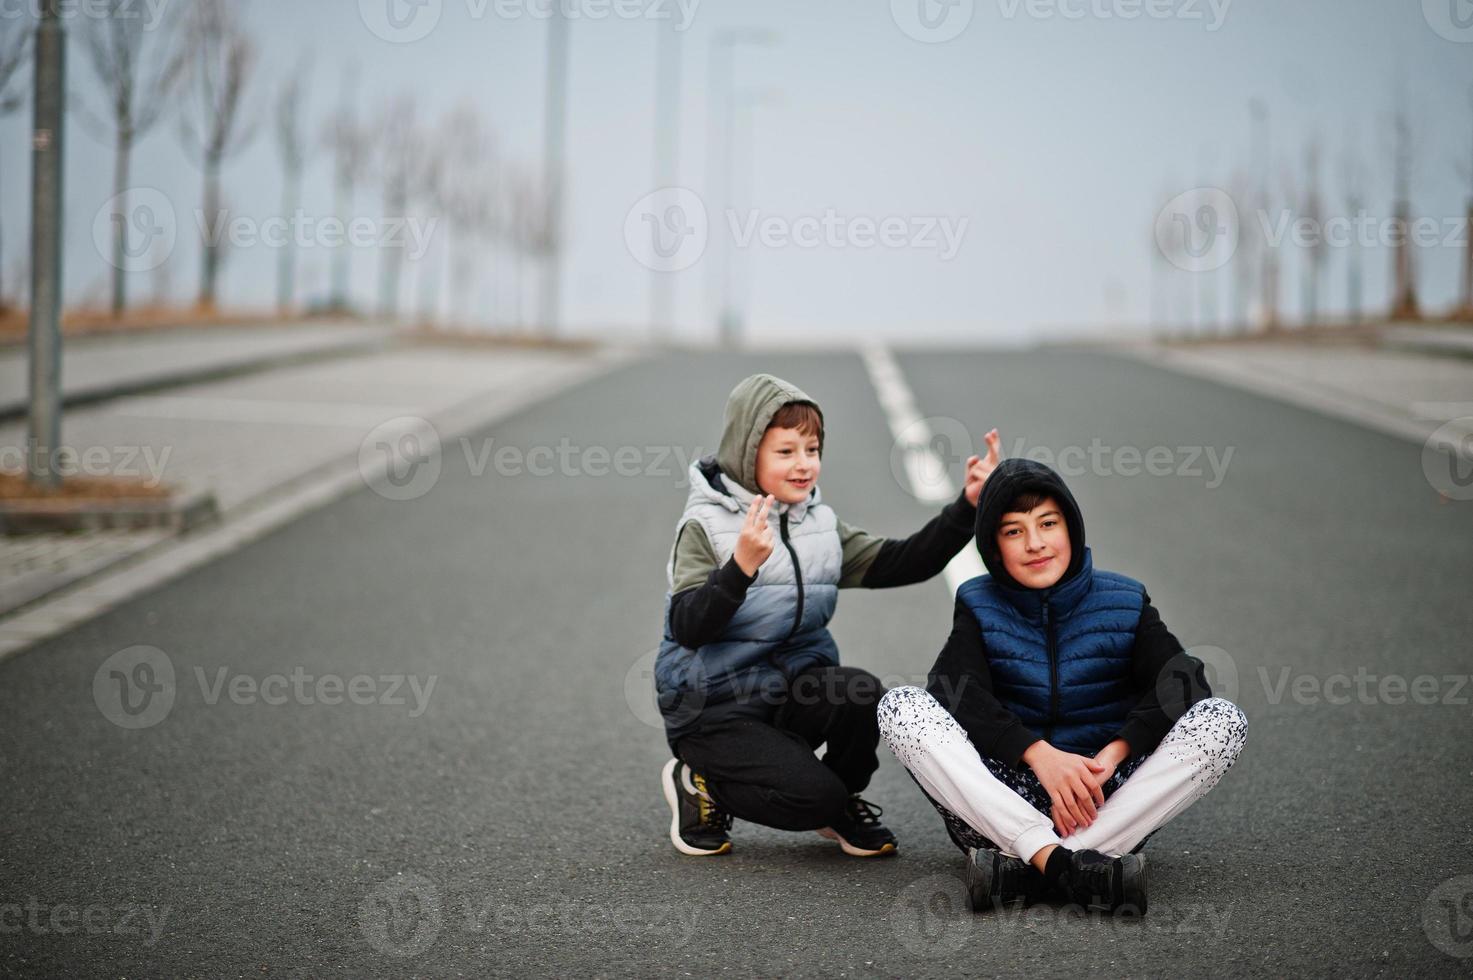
(1060, 658)
(780, 628)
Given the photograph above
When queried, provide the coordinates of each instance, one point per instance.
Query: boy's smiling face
(1035, 545)
(787, 464)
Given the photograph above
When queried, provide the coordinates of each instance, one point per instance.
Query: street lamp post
(746, 104)
(667, 162)
(554, 137)
(44, 421)
(723, 101)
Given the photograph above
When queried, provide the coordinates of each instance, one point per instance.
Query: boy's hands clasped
(755, 543)
(1073, 783)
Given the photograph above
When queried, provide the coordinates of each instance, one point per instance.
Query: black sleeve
(962, 683)
(1170, 681)
(922, 556)
(698, 615)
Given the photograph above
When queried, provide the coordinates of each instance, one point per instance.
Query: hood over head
(1012, 478)
(749, 409)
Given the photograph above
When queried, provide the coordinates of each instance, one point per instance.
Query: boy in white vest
(748, 677)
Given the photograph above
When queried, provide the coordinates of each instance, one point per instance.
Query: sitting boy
(748, 677)
(1062, 723)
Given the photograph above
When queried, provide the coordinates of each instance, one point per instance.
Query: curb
(19, 409)
(75, 599)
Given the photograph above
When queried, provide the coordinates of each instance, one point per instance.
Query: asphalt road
(507, 820)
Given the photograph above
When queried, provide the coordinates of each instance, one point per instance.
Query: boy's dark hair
(1023, 503)
(803, 416)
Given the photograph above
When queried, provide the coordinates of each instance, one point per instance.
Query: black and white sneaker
(1105, 884)
(697, 825)
(996, 880)
(860, 832)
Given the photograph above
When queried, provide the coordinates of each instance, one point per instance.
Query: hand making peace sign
(755, 543)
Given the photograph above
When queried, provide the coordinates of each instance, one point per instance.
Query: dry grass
(14, 487)
(15, 323)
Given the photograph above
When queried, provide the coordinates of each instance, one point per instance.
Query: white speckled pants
(928, 741)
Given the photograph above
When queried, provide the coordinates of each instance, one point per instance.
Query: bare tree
(400, 144)
(351, 145)
(291, 143)
(220, 60)
(1465, 171)
(466, 192)
(1244, 260)
(1353, 184)
(526, 210)
(1268, 272)
(1311, 208)
(430, 184)
(1404, 285)
(138, 65)
(15, 53)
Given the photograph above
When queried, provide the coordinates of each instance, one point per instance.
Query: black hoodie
(962, 682)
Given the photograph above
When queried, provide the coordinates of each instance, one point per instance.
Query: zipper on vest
(797, 570)
(1053, 668)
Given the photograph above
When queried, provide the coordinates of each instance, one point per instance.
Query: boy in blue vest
(748, 677)
(1063, 723)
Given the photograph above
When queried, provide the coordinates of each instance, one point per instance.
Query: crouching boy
(748, 677)
(1062, 723)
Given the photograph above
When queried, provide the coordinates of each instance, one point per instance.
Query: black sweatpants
(765, 771)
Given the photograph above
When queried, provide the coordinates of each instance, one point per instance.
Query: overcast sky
(1017, 151)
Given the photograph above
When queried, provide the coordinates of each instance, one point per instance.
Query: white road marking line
(924, 469)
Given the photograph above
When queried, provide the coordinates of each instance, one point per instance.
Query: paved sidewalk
(253, 439)
(94, 368)
(1419, 397)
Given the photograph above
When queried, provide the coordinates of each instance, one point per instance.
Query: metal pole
(46, 216)
(730, 328)
(667, 166)
(556, 110)
(718, 56)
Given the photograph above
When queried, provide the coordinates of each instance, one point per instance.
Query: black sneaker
(697, 825)
(860, 832)
(1105, 884)
(995, 880)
